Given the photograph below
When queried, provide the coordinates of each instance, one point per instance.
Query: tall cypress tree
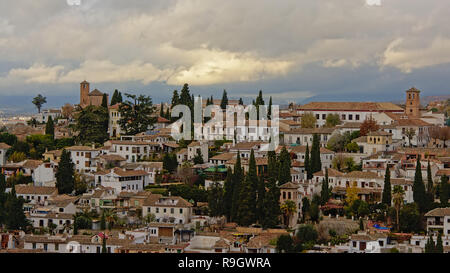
(316, 164)
(269, 111)
(387, 191)
(241, 102)
(105, 101)
(430, 246)
(325, 191)
(284, 174)
(237, 182)
(419, 187)
(50, 127)
(444, 191)
(253, 178)
(430, 187)
(224, 102)
(439, 245)
(246, 210)
(228, 193)
(161, 110)
(309, 174)
(65, 174)
(175, 99)
(260, 205)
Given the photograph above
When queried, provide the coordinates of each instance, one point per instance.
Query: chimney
(93, 146)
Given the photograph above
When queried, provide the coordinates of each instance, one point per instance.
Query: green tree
(398, 194)
(215, 200)
(387, 191)
(115, 97)
(444, 191)
(136, 114)
(14, 218)
(103, 222)
(224, 101)
(237, 184)
(308, 120)
(50, 127)
(285, 244)
(246, 214)
(332, 120)
(288, 208)
(439, 246)
(325, 193)
(430, 188)
(419, 194)
(260, 200)
(38, 101)
(309, 173)
(104, 238)
(105, 101)
(228, 193)
(284, 174)
(410, 219)
(316, 164)
(65, 174)
(92, 125)
(430, 246)
(198, 159)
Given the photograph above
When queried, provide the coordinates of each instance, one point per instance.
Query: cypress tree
(65, 174)
(116, 98)
(105, 101)
(430, 188)
(50, 127)
(439, 246)
(119, 98)
(237, 182)
(175, 99)
(272, 196)
(324, 193)
(104, 250)
(316, 164)
(215, 200)
(260, 205)
(161, 110)
(387, 191)
(284, 175)
(103, 222)
(228, 193)
(246, 212)
(308, 163)
(430, 246)
(269, 111)
(253, 178)
(419, 187)
(241, 102)
(224, 102)
(444, 191)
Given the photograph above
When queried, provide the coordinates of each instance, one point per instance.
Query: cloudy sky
(294, 50)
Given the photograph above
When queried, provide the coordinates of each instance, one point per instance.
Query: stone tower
(84, 93)
(413, 103)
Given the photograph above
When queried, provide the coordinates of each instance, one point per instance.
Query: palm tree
(288, 208)
(111, 217)
(398, 195)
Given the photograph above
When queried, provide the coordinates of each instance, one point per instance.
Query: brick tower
(413, 103)
(84, 94)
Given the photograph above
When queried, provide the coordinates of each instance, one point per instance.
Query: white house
(3, 149)
(85, 158)
(122, 179)
(168, 209)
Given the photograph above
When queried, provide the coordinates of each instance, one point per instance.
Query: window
(324, 116)
(181, 211)
(317, 116)
(172, 210)
(350, 117)
(357, 117)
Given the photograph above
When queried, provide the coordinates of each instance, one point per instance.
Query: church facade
(88, 97)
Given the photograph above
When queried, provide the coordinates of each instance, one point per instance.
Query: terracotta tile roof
(246, 145)
(182, 151)
(81, 148)
(359, 174)
(32, 164)
(111, 157)
(95, 92)
(289, 185)
(411, 122)
(401, 181)
(331, 173)
(223, 156)
(262, 240)
(130, 142)
(121, 172)
(4, 146)
(310, 131)
(351, 106)
(163, 120)
(443, 172)
(302, 149)
(438, 212)
(221, 243)
(157, 200)
(194, 143)
(24, 189)
(379, 133)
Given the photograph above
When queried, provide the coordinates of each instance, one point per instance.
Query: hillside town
(109, 175)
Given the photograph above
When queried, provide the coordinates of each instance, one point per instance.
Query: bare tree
(434, 133)
(444, 135)
(410, 133)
